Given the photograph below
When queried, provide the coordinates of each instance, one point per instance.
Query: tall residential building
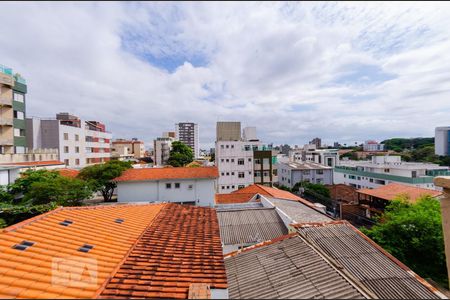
(187, 133)
(125, 149)
(372, 145)
(442, 141)
(228, 131)
(169, 134)
(13, 89)
(316, 141)
(382, 170)
(80, 143)
(161, 150)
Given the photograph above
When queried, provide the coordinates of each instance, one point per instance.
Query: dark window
(168, 185)
(177, 185)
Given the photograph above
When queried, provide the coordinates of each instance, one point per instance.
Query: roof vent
(66, 222)
(23, 246)
(85, 248)
(120, 221)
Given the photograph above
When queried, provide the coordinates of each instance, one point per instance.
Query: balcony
(5, 101)
(6, 142)
(6, 121)
(353, 171)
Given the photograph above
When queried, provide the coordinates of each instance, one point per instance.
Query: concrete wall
(202, 191)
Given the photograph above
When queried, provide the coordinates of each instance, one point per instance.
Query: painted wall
(200, 191)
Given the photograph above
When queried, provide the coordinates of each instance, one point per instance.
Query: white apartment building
(234, 160)
(161, 150)
(289, 174)
(442, 141)
(309, 153)
(187, 133)
(80, 143)
(382, 170)
(371, 145)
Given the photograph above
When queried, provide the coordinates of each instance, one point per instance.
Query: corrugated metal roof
(289, 268)
(298, 211)
(380, 274)
(238, 206)
(249, 226)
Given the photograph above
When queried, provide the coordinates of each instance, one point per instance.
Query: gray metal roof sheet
(372, 267)
(289, 268)
(249, 225)
(298, 211)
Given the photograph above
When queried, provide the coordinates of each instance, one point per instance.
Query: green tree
(413, 234)
(180, 155)
(100, 176)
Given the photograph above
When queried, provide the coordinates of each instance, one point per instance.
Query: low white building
(292, 173)
(442, 141)
(372, 145)
(382, 170)
(195, 186)
(309, 153)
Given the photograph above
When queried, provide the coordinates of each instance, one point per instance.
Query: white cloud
(277, 66)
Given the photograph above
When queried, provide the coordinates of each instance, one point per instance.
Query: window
(66, 136)
(223, 187)
(191, 186)
(222, 160)
(66, 162)
(247, 147)
(386, 170)
(19, 97)
(223, 174)
(227, 160)
(306, 172)
(249, 160)
(228, 146)
(241, 174)
(168, 185)
(320, 172)
(77, 137)
(232, 186)
(221, 146)
(240, 161)
(66, 149)
(232, 173)
(250, 173)
(77, 161)
(177, 185)
(257, 173)
(20, 149)
(266, 173)
(351, 176)
(19, 115)
(257, 161)
(241, 186)
(228, 173)
(232, 146)
(16, 132)
(77, 149)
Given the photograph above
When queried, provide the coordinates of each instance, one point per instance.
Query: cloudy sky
(341, 71)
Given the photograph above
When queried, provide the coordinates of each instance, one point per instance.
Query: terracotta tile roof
(68, 172)
(34, 163)
(168, 173)
(28, 273)
(267, 191)
(234, 198)
(392, 190)
(181, 247)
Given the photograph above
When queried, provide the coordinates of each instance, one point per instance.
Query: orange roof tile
(181, 247)
(34, 163)
(392, 190)
(168, 173)
(29, 273)
(267, 191)
(233, 198)
(68, 172)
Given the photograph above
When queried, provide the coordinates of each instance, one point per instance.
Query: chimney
(444, 182)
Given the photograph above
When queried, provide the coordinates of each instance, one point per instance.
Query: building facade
(127, 149)
(373, 146)
(80, 143)
(13, 89)
(310, 153)
(228, 131)
(382, 170)
(187, 133)
(442, 141)
(317, 142)
(265, 166)
(161, 150)
(292, 173)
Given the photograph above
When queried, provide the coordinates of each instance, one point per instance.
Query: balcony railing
(6, 141)
(5, 101)
(419, 180)
(6, 121)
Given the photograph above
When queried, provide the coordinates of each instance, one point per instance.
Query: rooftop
(392, 190)
(233, 198)
(376, 269)
(135, 249)
(249, 225)
(72, 173)
(267, 191)
(306, 166)
(34, 163)
(287, 268)
(144, 174)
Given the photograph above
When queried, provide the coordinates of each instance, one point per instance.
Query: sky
(296, 70)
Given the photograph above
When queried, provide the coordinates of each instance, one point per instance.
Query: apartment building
(13, 89)
(372, 145)
(292, 173)
(80, 143)
(161, 150)
(127, 149)
(310, 153)
(442, 141)
(187, 133)
(382, 170)
(265, 165)
(317, 142)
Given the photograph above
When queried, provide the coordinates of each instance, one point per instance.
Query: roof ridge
(117, 268)
(262, 244)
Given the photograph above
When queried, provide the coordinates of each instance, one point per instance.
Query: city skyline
(294, 70)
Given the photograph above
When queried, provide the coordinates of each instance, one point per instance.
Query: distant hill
(399, 144)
